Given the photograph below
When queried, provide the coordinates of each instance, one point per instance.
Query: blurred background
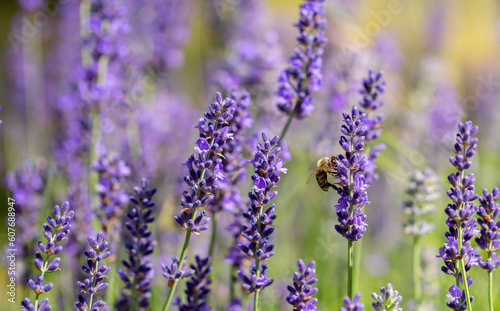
(441, 64)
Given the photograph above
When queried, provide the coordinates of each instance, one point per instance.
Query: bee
(324, 167)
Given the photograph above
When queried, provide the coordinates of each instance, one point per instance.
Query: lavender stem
(287, 125)
(213, 237)
(461, 261)
(417, 289)
(183, 254)
(350, 269)
(490, 288)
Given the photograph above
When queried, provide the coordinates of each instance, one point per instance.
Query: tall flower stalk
(55, 230)
(457, 253)
(257, 231)
(228, 194)
(372, 88)
(138, 270)
(96, 275)
(205, 168)
(303, 75)
(489, 240)
(424, 191)
(352, 186)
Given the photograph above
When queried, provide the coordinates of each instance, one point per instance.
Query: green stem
(490, 290)
(349, 269)
(287, 124)
(213, 237)
(466, 287)
(43, 273)
(461, 264)
(256, 298)
(232, 282)
(91, 298)
(417, 289)
(357, 263)
(166, 305)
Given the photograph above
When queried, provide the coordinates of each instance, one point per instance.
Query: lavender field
(249, 155)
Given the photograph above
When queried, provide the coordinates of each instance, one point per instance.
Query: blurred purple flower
(303, 76)
(352, 305)
(489, 228)
(112, 171)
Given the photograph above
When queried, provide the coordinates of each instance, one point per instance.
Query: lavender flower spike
(456, 300)
(351, 166)
(373, 87)
(489, 240)
(205, 165)
(300, 296)
(267, 166)
(205, 168)
(423, 190)
(388, 300)
(111, 170)
(457, 253)
(303, 76)
(138, 272)
(352, 305)
(352, 186)
(55, 230)
(197, 287)
(96, 275)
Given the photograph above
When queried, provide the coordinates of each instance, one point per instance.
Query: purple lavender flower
(489, 229)
(424, 190)
(172, 273)
(303, 76)
(353, 185)
(55, 230)
(197, 287)
(205, 166)
(101, 86)
(138, 272)
(373, 87)
(234, 163)
(456, 299)
(253, 53)
(111, 170)
(96, 275)
(257, 231)
(26, 186)
(300, 296)
(352, 305)
(457, 253)
(388, 300)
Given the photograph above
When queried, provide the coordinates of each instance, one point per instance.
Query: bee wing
(317, 169)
